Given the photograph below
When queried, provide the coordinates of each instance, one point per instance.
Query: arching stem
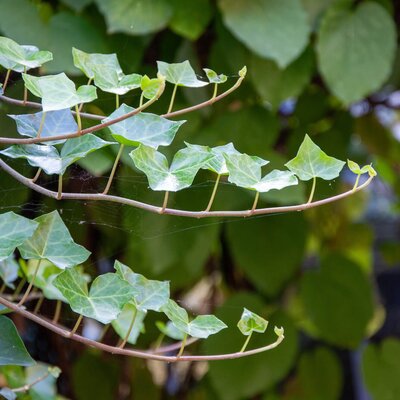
(28, 290)
(171, 104)
(116, 101)
(312, 190)
(6, 80)
(210, 203)
(36, 177)
(28, 386)
(76, 326)
(255, 202)
(182, 345)
(114, 168)
(141, 99)
(215, 91)
(159, 341)
(60, 183)
(39, 132)
(128, 333)
(25, 90)
(103, 332)
(81, 105)
(38, 305)
(57, 312)
(246, 343)
(356, 182)
(19, 288)
(165, 202)
(78, 118)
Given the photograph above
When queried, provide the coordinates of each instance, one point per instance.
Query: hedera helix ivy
(55, 138)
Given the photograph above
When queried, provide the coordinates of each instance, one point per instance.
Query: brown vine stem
(171, 211)
(7, 140)
(131, 352)
(6, 80)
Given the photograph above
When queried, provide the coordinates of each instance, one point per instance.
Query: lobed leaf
(181, 74)
(213, 77)
(355, 168)
(150, 87)
(170, 330)
(251, 322)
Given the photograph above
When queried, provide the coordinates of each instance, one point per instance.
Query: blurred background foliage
(330, 275)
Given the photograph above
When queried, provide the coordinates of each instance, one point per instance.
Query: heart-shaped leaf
(311, 162)
(107, 296)
(180, 74)
(14, 230)
(201, 327)
(213, 77)
(58, 91)
(150, 87)
(251, 322)
(50, 159)
(276, 180)
(170, 330)
(143, 128)
(54, 123)
(356, 169)
(21, 58)
(52, 241)
(184, 167)
(123, 323)
(9, 271)
(12, 349)
(148, 294)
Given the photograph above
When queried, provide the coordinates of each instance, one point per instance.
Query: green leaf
(356, 169)
(276, 180)
(311, 162)
(352, 71)
(143, 128)
(124, 320)
(339, 309)
(184, 167)
(21, 58)
(274, 29)
(53, 242)
(135, 17)
(45, 389)
(55, 123)
(106, 72)
(147, 294)
(58, 91)
(12, 349)
(170, 330)
(150, 87)
(14, 230)
(251, 322)
(50, 159)
(104, 302)
(9, 271)
(380, 363)
(181, 74)
(213, 77)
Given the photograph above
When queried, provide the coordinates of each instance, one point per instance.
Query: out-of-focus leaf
(8, 394)
(9, 271)
(170, 330)
(45, 389)
(124, 320)
(181, 74)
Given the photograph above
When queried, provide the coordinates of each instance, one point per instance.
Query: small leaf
(213, 77)
(251, 322)
(9, 271)
(177, 315)
(280, 332)
(52, 241)
(14, 230)
(170, 330)
(55, 123)
(150, 87)
(45, 389)
(8, 394)
(105, 300)
(122, 324)
(58, 91)
(355, 168)
(181, 74)
(12, 349)
(55, 372)
(143, 128)
(184, 167)
(311, 162)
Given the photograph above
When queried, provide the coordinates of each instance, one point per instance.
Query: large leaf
(179, 175)
(107, 296)
(274, 29)
(181, 74)
(148, 294)
(311, 162)
(54, 123)
(50, 159)
(52, 241)
(58, 91)
(14, 230)
(143, 128)
(9, 268)
(12, 349)
(201, 327)
(106, 72)
(350, 70)
(251, 322)
(135, 17)
(21, 58)
(123, 323)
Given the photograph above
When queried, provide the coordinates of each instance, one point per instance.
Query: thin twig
(31, 283)
(165, 203)
(214, 192)
(57, 312)
(128, 333)
(314, 183)
(114, 168)
(6, 80)
(26, 387)
(36, 177)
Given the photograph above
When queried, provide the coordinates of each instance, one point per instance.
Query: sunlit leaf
(355, 168)
(311, 162)
(251, 322)
(170, 330)
(9, 271)
(143, 128)
(213, 77)
(14, 230)
(150, 86)
(58, 91)
(181, 74)
(52, 241)
(122, 324)
(276, 180)
(107, 296)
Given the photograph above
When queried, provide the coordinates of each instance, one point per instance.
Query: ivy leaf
(19, 58)
(122, 324)
(9, 271)
(55, 123)
(149, 86)
(143, 128)
(50, 159)
(311, 162)
(356, 169)
(107, 296)
(276, 180)
(106, 72)
(14, 230)
(45, 389)
(170, 330)
(180, 74)
(201, 327)
(251, 322)
(58, 91)
(12, 349)
(148, 294)
(184, 167)
(213, 77)
(52, 241)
